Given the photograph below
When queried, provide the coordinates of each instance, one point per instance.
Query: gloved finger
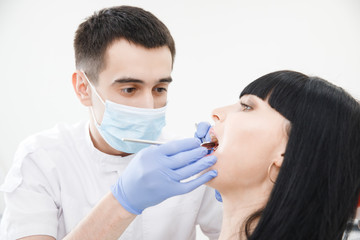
(202, 130)
(218, 196)
(178, 146)
(195, 167)
(207, 137)
(184, 158)
(195, 183)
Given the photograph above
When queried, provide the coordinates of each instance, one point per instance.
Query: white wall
(221, 46)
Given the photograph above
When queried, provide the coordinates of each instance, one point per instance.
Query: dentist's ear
(82, 88)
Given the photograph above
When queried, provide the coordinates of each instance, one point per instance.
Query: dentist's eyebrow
(133, 80)
(166, 80)
(128, 80)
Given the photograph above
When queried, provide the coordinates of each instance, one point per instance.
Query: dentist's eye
(128, 90)
(160, 90)
(245, 107)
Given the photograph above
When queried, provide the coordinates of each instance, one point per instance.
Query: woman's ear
(82, 88)
(274, 168)
(278, 162)
(283, 144)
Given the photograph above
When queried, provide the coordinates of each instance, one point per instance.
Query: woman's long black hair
(317, 189)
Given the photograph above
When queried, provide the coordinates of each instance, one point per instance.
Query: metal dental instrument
(208, 145)
(142, 141)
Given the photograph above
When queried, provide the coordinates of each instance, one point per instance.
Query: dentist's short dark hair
(94, 36)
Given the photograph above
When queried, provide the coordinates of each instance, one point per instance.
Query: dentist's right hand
(156, 172)
(202, 133)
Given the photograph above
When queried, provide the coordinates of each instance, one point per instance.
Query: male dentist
(82, 181)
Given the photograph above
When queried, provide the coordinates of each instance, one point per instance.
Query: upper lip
(213, 136)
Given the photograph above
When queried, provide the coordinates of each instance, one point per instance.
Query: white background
(221, 47)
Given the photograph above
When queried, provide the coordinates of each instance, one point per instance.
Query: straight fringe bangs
(317, 189)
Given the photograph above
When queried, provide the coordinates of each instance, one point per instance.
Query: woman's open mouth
(214, 142)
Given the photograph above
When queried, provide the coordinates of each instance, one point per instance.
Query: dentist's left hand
(202, 132)
(155, 174)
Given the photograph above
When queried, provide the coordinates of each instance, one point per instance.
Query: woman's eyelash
(245, 106)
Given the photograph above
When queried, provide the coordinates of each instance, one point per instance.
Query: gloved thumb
(202, 131)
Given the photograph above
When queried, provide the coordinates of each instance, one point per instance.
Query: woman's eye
(245, 107)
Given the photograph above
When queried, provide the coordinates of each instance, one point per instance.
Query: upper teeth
(213, 137)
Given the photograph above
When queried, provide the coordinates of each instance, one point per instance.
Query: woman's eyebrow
(248, 99)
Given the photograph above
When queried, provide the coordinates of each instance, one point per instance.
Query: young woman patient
(288, 159)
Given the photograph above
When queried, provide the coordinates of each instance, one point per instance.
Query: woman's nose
(219, 114)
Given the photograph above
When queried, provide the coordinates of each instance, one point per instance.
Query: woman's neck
(236, 210)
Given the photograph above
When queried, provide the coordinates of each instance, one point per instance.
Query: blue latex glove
(202, 131)
(154, 174)
(218, 196)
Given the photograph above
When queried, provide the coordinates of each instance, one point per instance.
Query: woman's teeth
(213, 137)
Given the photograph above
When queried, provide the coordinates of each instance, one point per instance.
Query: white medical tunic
(58, 176)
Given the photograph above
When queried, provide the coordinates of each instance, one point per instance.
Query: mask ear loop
(92, 87)
(97, 94)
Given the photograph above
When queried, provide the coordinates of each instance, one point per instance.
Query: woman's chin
(213, 182)
(207, 170)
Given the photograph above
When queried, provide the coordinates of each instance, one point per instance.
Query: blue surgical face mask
(121, 121)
